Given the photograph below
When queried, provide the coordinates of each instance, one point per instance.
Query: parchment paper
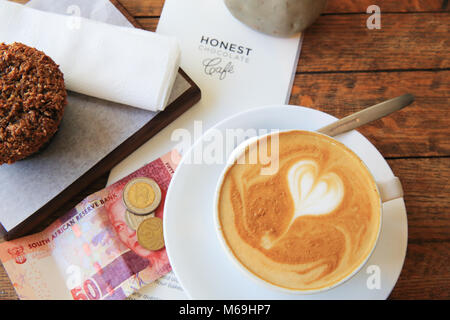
(91, 128)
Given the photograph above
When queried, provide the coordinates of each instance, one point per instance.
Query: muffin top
(32, 101)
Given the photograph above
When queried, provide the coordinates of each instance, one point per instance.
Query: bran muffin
(32, 101)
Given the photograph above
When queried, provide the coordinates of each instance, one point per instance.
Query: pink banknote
(90, 253)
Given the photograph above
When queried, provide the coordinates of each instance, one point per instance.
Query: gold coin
(150, 234)
(134, 220)
(142, 196)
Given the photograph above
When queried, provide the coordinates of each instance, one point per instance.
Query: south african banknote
(90, 253)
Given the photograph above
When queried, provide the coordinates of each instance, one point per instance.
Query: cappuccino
(307, 226)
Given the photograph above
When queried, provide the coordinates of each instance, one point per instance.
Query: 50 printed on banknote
(91, 252)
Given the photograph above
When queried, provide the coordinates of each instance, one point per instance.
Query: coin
(142, 196)
(134, 220)
(150, 234)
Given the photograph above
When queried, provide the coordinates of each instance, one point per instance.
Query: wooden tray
(186, 100)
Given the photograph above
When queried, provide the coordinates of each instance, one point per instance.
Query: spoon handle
(367, 115)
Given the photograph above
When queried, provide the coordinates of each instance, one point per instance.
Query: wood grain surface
(421, 129)
(345, 67)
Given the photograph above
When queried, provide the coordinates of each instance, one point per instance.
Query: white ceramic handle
(390, 189)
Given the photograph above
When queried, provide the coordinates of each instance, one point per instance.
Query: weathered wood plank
(349, 6)
(154, 7)
(426, 271)
(148, 23)
(7, 291)
(139, 8)
(20, 1)
(405, 41)
(427, 198)
(421, 129)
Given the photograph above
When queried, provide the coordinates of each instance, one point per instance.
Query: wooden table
(345, 67)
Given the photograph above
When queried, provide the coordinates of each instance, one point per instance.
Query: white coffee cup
(388, 189)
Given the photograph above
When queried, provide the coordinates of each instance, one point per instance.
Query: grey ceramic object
(282, 18)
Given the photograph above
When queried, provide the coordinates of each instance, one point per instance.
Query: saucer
(195, 253)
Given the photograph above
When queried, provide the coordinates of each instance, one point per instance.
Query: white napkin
(123, 65)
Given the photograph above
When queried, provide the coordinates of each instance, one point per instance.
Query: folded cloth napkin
(123, 65)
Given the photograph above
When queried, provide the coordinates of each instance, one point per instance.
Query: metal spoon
(354, 120)
(367, 115)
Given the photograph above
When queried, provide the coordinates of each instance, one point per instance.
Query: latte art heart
(313, 194)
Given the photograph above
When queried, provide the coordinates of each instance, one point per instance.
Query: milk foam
(313, 194)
